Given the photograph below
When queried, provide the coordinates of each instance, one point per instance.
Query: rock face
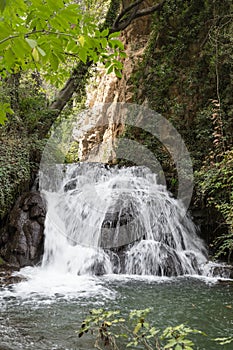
(120, 226)
(98, 136)
(221, 270)
(23, 238)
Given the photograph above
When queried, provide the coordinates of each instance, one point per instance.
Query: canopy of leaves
(52, 36)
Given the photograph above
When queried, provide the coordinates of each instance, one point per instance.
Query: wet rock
(7, 275)
(71, 185)
(224, 271)
(24, 235)
(36, 212)
(121, 226)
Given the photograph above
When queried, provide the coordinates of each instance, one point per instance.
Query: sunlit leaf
(81, 39)
(32, 43)
(105, 32)
(114, 35)
(4, 109)
(35, 54)
(41, 51)
(137, 328)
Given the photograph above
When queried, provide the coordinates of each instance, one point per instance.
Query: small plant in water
(134, 331)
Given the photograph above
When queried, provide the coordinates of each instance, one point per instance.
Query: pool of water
(32, 319)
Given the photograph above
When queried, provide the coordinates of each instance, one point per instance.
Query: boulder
(24, 235)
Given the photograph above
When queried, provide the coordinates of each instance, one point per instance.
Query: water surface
(49, 320)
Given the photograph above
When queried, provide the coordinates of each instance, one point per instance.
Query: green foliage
(16, 166)
(186, 75)
(215, 183)
(20, 146)
(134, 331)
(5, 108)
(47, 33)
(177, 337)
(72, 155)
(224, 246)
(178, 73)
(50, 36)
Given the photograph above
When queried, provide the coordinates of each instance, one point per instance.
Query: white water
(104, 220)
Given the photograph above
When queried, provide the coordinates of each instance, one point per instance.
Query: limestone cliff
(98, 140)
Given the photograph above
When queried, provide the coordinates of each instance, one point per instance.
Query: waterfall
(103, 220)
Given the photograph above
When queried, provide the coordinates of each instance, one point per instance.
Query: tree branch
(126, 11)
(150, 10)
(76, 83)
(126, 16)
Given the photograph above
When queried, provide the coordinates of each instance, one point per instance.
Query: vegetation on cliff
(186, 75)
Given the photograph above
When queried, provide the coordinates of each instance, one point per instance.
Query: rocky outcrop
(23, 238)
(98, 140)
(221, 270)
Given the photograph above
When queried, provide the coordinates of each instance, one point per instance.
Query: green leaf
(54, 62)
(5, 30)
(105, 32)
(81, 39)
(137, 328)
(123, 54)
(82, 55)
(110, 69)
(3, 117)
(116, 43)
(4, 109)
(35, 55)
(223, 341)
(20, 48)
(32, 43)
(55, 4)
(178, 347)
(104, 42)
(9, 59)
(72, 46)
(114, 35)
(118, 73)
(41, 51)
(171, 343)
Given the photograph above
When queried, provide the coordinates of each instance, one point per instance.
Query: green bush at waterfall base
(114, 330)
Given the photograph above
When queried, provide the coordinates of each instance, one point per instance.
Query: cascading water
(103, 220)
